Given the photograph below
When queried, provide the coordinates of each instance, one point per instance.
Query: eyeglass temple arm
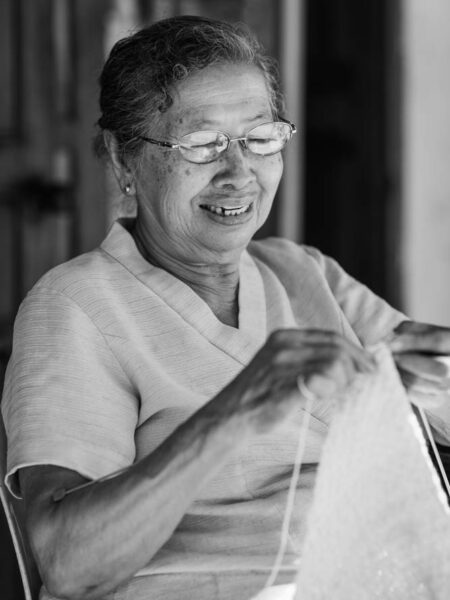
(293, 127)
(159, 143)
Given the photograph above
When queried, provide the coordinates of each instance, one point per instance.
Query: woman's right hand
(110, 519)
(266, 391)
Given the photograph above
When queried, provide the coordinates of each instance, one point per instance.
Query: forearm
(98, 537)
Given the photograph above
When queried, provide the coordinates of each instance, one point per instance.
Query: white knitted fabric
(379, 526)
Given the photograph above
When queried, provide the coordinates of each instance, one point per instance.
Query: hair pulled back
(137, 78)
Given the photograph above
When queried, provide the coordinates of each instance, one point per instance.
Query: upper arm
(371, 317)
(67, 401)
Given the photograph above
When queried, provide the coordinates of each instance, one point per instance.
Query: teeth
(226, 212)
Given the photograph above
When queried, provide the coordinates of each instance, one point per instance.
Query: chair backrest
(14, 512)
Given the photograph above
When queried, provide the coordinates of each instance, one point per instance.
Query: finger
(325, 385)
(444, 360)
(318, 359)
(327, 374)
(320, 339)
(420, 337)
(422, 365)
(363, 360)
(325, 380)
(413, 382)
(427, 401)
(321, 386)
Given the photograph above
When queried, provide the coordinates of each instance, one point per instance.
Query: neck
(216, 283)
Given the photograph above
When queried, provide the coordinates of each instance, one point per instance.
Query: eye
(259, 140)
(269, 138)
(201, 146)
(204, 139)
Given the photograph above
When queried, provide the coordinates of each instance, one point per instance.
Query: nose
(235, 167)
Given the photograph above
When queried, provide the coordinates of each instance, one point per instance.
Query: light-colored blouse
(111, 354)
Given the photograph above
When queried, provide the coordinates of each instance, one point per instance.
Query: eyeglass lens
(206, 146)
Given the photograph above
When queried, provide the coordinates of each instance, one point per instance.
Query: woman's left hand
(416, 348)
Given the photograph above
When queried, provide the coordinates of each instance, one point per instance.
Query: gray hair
(138, 76)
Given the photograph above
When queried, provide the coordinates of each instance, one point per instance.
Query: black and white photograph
(224, 300)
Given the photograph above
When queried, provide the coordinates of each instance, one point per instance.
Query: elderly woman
(173, 352)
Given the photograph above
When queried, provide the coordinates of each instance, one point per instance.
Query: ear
(121, 171)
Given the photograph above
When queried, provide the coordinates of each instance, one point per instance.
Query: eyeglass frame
(177, 146)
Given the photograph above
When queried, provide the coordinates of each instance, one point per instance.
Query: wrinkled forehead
(217, 96)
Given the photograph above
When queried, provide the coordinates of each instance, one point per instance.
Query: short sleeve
(66, 401)
(371, 318)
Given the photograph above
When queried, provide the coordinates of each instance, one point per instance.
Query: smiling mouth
(224, 211)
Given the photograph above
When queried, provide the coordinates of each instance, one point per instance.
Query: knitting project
(379, 526)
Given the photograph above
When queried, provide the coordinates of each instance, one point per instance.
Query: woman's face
(179, 201)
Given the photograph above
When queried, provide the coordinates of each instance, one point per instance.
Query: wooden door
(52, 191)
(52, 197)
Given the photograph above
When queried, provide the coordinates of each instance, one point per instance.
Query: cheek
(163, 175)
(270, 172)
(168, 183)
(175, 169)
(153, 172)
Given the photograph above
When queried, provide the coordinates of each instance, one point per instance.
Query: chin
(229, 244)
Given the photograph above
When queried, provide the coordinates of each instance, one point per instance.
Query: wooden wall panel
(92, 208)
(52, 194)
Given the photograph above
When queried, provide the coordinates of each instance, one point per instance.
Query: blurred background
(367, 179)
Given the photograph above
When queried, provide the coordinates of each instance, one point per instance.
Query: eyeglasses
(206, 146)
